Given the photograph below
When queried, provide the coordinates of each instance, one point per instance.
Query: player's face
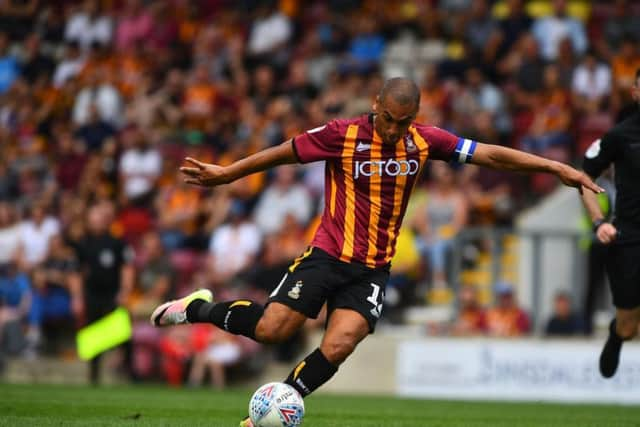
(393, 119)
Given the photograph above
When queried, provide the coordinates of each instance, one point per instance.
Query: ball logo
(389, 167)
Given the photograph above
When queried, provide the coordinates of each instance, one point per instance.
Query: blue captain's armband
(464, 150)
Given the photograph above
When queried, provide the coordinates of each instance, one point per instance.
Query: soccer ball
(276, 405)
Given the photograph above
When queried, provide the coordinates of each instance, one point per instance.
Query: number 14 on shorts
(376, 311)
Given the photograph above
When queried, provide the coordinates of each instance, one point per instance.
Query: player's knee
(627, 329)
(337, 350)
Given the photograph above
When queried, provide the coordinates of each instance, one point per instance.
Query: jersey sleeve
(322, 143)
(446, 146)
(600, 154)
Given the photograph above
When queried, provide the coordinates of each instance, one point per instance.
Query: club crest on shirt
(409, 144)
(294, 293)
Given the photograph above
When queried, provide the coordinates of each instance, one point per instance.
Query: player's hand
(606, 233)
(204, 174)
(574, 178)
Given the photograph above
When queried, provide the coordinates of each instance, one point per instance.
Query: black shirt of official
(621, 147)
(102, 258)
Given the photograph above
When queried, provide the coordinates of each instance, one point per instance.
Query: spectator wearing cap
(506, 318)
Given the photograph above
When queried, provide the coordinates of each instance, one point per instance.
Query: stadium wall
(487, 369)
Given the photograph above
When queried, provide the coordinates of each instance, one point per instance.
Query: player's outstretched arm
(210, 175)
(498, 157)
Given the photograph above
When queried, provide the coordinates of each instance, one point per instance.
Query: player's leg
(353, 310)
(345, 329)
(289, 305)
(240, 317)
(623, 270)
(622, 328)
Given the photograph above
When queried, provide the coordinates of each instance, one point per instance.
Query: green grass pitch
(40, 405)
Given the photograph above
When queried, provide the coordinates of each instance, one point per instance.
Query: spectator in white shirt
(140, 166)
(70, 66)
(550, 30)
(10, 234)
(233, 245)
(591, 85)
(282, 197)
(88, 26)
(35, 234)
(270, 30)
(98, 97)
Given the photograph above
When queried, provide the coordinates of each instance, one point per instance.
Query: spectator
(269, 34)
(17, 17)
(234, 245)
(481, 26)
(99, 99)
(505, 318)
(15, 303)
(444, 215)
(551, 29)
(140, 166)
(72, 160)
(564, 321)
(622, 23)
(526, 66)
(88, 25)
(134, 26)
(282, 197)
(366, 47)
(513, 26)
(471, 318)
(9, 71)
(35, 234)
(623, 66)
(10, 234)
(591, 84)
(199, 98)
(56, 292)
(220, 351)
(548, 134)
(178, 207)
(480, 95)
(70, 66)
(95, 131)
(156, 277)
(34, 62)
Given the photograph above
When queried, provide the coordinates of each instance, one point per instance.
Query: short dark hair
(402, 90)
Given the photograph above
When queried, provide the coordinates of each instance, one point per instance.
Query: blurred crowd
(100, 101)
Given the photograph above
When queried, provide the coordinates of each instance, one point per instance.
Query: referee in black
(620, 146)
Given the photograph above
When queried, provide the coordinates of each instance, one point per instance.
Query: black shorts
(623, 269)
(316, 277)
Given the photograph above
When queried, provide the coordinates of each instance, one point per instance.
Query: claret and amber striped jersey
(368, 183)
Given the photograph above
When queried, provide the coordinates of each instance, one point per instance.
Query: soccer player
(372, 164)
(620, 147)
